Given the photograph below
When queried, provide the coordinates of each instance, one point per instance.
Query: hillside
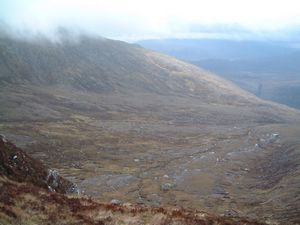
(126, 123)
(268, 69)
(88, 66)
(105, 66)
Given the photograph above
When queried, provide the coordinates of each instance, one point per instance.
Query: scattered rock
(2, 137)
(273, 137)
(116, 202)
(230, 213)
(108, 182)
(51, 189)
(219, 192)
(166, 186)
(77, 165)
(154, 199)
(140, 200)
(52, 178)
(74, 189)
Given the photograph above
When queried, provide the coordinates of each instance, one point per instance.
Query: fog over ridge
(133, 20)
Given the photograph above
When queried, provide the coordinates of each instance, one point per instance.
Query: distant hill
(199, 49)
(267, 69)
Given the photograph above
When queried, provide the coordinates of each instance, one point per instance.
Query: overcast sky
(141, 19)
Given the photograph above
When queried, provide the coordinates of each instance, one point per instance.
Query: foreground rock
(18, 166)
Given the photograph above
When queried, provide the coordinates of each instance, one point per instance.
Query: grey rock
(230, 213)
(52, 178)
(2, 137)
(115, 202)
(74, 189)
(166, 186)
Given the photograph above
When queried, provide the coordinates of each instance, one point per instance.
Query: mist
(134, 20)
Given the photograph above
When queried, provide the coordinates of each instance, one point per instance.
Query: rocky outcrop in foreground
(18, 166)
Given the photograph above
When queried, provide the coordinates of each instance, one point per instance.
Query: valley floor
(243, 171)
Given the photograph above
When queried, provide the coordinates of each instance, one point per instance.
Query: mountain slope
(101, 66)
(126, 123)
(106, 66)
(268, 69)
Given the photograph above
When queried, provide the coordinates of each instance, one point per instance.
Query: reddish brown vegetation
(8, 212)
(56, 207)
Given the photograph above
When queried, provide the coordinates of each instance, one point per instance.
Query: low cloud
(139, 19)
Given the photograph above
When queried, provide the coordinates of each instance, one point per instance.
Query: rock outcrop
(18, 166)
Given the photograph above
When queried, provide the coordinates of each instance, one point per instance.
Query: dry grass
(32, 205)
